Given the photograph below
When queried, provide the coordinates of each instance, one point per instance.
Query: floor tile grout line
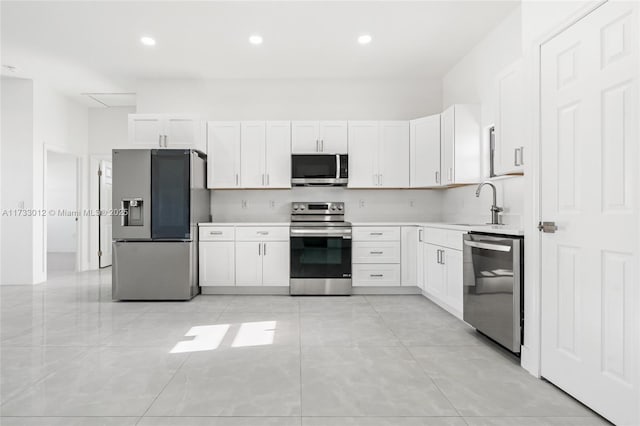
(419, 366)
(164, 387)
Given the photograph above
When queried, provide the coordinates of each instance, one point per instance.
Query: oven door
(320, 254)
(317, 170)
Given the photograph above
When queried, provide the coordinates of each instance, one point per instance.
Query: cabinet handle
(375, 252)
(317, 145)
(442, 257)
(420, 235)
(380, 182)
(215, 232)
(437, 177)
(236, 179)
(522, 155)
(264, 250)
(263, 179)
(263, 232)
(165, 141)
(438, 256)
(375, 233)
(376, 275)
(267, 179)
(515, 157)
(160, 141)
(321, 145)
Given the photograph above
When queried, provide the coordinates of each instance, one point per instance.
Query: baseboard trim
(245, 290)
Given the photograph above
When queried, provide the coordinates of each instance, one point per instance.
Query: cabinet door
(363, 154)
(433, 270)
(447, 128)
(183, 132)
(223, 154)
(409, 256)
(393, 159)
(425, 152)
(252, 154)
(217, 263)
(278, 154)
(249, 265)
(305, 137)
(333, 137)
(452, 260)
(509, 121)
(275, 263)
(146, 130)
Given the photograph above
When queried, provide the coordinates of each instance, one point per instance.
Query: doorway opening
(62, 212)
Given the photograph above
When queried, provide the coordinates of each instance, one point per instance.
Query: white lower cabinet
(217, 263)
(376, 256)
(244, 256)
(409, 247)
(384, 275)
(443, 272)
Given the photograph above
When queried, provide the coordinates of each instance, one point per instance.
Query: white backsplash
(360, 204)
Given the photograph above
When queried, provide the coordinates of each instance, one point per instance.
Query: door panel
(278, 155)
(333, 137)
(447, 129)
(425, 152)
(433, 271)
(305, 137)
(589, 83)
(252, 153)
(217, 263)
(183, 132)
(363, 154)
(249, 265)
(146, 130)
(454, 281)
(223, 154)
(393, 160)
(104, 221)
(275, 263)
(171, 194)
(509, 120)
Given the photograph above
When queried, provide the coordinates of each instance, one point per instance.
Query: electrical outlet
(361, 204)
(244, 204)
(272, 204)
(411, 203)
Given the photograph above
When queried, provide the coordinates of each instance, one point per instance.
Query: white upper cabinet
(378, 154)
(166, 131)
(223, 154)
(310, 137)
(333, 137)
(393, 160)
(249, 154)
(509, 125)
(363, 154)
(425, 152)
(252, 152)
(278, 154)
(460, 145)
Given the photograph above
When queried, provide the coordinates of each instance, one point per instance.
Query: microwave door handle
(337, 166)
(488, 246)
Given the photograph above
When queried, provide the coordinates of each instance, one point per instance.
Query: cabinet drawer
(216, 233)
(376, 275)
(444, 237)
(376, 252)
(262, 233)
(376, 233)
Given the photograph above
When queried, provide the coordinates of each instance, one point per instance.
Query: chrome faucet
(495, 218)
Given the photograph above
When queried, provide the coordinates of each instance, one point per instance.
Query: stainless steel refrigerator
(155, 243)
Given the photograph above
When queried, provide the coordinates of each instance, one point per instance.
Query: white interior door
(104, 221)
(589, 172)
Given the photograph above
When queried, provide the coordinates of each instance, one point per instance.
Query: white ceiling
(94, 46)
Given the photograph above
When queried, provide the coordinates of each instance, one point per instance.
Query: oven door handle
(487, 246)
(319, 233)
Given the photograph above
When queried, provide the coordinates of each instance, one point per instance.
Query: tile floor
(70, 356)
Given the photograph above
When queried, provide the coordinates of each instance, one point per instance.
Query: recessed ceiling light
(255, 39)
(148, 41)
(364, 39)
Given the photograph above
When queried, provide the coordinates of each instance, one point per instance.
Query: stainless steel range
(320, 249)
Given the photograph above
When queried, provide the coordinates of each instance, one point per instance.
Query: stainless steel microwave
(319, 169)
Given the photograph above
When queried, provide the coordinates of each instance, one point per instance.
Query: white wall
(360, 204)
(16, 169)
(471, 80)
(272, 99)
(107, 129)
(61, 195)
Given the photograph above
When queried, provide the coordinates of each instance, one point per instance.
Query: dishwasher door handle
(487, 246)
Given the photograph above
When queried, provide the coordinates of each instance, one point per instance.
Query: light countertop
(492, 229)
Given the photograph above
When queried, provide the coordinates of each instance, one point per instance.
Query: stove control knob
(302, 207)
(340, 207)
(333, 208)
(295, 207)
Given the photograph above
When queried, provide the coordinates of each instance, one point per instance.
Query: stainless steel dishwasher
(493, 287)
